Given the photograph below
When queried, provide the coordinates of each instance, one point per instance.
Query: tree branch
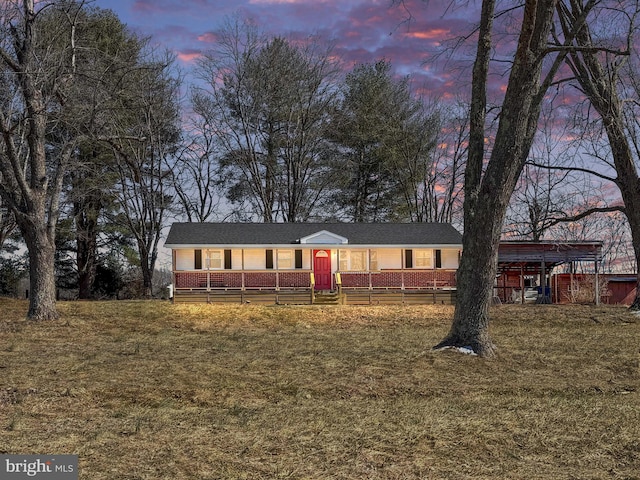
(575, 169)
(586, 213)
(575, 48)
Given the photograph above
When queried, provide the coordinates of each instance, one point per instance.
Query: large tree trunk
(87, 244)
(147, 266)
(628, 182)
(42, 283)
(42, 280)
(86, 259)
(477, 269)
(147, 281)
(478, 265)
(487, 194)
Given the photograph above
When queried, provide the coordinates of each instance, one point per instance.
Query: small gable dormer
(324, 237)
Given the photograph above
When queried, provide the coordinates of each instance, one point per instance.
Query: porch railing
(399, 279)
(245, 280)
(304, 280)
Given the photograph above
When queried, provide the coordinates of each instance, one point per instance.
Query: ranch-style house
(307, 263)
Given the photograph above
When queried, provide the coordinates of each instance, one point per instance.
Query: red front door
(322, 269)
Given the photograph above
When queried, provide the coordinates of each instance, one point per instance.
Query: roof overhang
(310, 245)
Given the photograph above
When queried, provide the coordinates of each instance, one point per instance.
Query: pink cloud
(148, 7)
(208, 37)
(165, 6)
(276, 2)
(362, 31)
(436, 33)
(189, 56)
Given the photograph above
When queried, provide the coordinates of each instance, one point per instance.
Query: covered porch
(299, 287)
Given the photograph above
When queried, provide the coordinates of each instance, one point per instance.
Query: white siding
(185, 259)
(254, 259)
(334, 260)
(450, 258)
(324, 237)
(236, 259)
(306, 259)
(389, 258)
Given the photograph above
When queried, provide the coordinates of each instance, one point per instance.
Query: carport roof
(528, 256)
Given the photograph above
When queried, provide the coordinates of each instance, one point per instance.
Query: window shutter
(298, 258)
(197, 261)
(408, 259)
(438, 258)
(269, 259)
(227, 259)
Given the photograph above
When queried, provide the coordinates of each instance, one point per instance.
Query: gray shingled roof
(228, 234)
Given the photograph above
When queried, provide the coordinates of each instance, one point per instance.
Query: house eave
(312, 245)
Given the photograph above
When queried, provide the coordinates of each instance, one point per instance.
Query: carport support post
(543, 282)
(595, 263)
(571, 268)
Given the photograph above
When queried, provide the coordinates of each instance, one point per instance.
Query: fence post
(312, 282)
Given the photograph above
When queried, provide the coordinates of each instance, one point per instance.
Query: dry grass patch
(150, 390)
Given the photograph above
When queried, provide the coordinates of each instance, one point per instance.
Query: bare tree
(7, 224)
(443, 195)
(490, 184)
(544, 194)
(411, 159)
(143, 151)
(60, 62)
(597, 74)
(567, 191)
(199, 189)
(537, 204)
(269, 99)
(37, 81)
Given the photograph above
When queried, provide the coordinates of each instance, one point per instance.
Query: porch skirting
(445, 296)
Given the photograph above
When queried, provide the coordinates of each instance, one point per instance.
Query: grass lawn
(151, 390)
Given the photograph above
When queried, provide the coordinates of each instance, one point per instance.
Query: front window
(215, 259)
(354, 260)
(423, 258)
(285, 259)
(358, 260)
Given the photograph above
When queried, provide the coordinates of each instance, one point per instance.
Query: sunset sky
(409, 35)
(415, 36)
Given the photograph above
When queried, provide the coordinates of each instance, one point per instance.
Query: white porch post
(275, 267)
(402, 265)
(207, 263)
